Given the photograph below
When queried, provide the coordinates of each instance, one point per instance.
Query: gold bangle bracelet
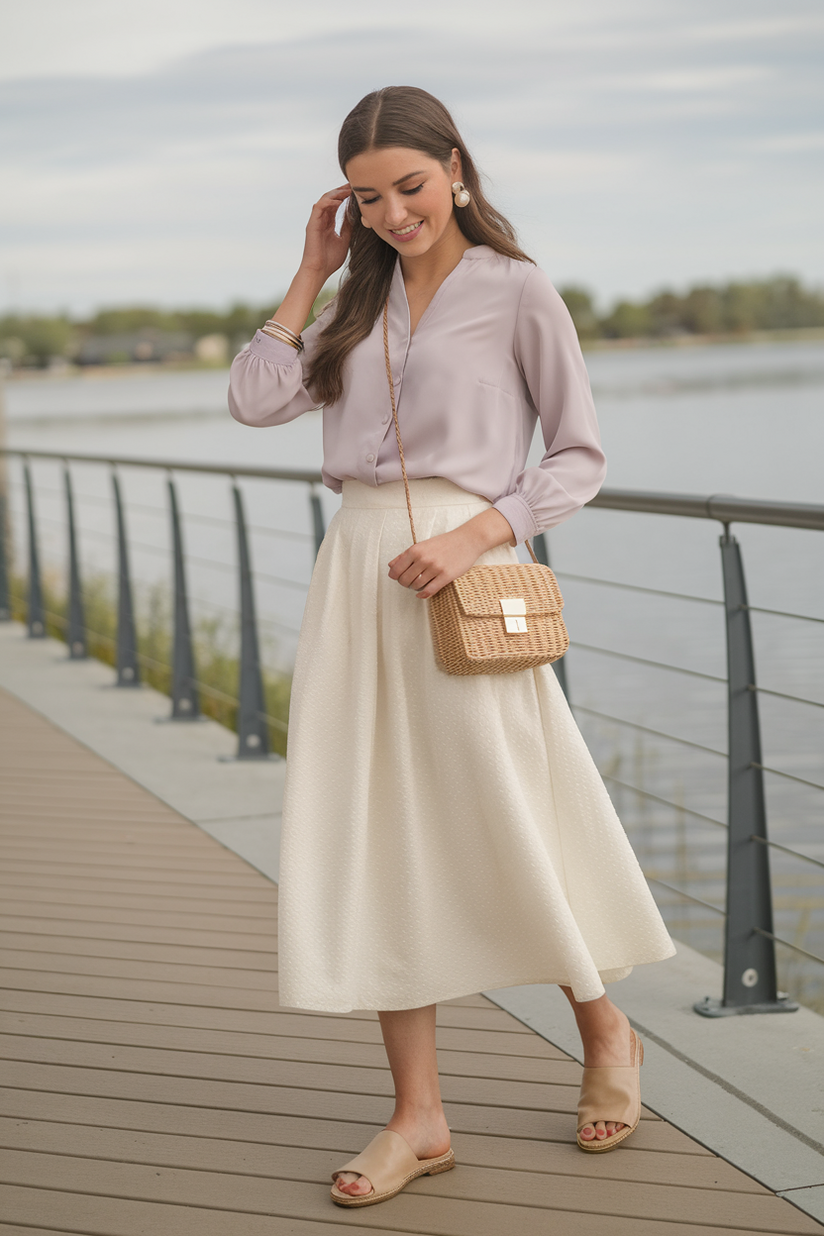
(285, 329)
(278, 331)
(275, 334)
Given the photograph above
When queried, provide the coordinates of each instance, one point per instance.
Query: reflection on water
(731, 419)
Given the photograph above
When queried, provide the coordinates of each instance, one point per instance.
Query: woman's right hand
(325, 251)
(323, 254)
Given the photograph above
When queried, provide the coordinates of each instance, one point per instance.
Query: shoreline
(800, 334)
(806, 334)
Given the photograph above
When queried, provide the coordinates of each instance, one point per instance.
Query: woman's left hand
(430, 565)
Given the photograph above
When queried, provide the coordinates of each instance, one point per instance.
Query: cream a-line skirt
(441, 835)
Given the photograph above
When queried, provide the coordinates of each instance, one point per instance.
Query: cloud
(717, 79)
(631, 145)
(789, 143)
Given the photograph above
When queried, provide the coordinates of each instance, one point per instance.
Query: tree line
(735, 308)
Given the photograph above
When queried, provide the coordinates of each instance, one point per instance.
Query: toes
(601, 1131)
(352, 1184)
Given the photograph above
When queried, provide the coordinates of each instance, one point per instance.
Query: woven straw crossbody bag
(493, 619)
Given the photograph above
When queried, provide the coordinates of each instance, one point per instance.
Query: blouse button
(385, 420)
(370, 458)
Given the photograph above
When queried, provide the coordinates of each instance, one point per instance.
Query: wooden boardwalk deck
(151, 1084)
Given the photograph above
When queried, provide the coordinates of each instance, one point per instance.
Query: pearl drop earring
(462, 195)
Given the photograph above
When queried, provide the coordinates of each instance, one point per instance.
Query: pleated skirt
(441, 835)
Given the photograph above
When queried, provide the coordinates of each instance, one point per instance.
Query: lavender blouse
(494, 351)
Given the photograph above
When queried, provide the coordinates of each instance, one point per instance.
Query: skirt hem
(494, 983)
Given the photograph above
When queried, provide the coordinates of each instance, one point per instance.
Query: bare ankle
(425, 1128)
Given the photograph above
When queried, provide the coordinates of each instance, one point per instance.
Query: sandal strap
(386, 1161)
(612, 1092)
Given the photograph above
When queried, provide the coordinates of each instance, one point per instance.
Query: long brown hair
(412, 118)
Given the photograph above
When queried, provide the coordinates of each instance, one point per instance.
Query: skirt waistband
(425, 491)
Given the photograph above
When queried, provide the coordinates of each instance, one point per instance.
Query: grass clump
(215, 642)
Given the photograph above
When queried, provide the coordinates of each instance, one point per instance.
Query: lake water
(745, 420)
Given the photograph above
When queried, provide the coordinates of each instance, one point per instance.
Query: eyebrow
(361, 189)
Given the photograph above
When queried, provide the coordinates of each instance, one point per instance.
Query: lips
(405, 233)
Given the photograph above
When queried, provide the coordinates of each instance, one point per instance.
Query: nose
(395, 213)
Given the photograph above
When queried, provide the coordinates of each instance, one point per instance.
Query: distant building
(213, 349)
(148, 344)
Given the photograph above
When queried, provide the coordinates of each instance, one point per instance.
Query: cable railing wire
(163, 551)
(655, 592)
(646, 729)
(229, 609)
(782, 695)
(309, 476)
(787, 944)
(780, 613)
(774, 845)
(162, 513)
(777, 772)
(688, 896)
(665, 665)
(666, 802)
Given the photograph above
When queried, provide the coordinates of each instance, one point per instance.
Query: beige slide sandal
(388, 1163)
(612, 1092)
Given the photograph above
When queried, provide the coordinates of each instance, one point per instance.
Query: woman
(442, 835)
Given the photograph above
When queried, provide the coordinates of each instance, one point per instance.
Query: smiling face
(406, 197)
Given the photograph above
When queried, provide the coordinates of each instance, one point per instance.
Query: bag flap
(481, 589)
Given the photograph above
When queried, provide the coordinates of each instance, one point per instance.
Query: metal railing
(750, 980)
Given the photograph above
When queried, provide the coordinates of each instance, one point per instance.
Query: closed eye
(368, 201)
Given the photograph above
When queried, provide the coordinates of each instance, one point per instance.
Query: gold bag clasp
(514, 612)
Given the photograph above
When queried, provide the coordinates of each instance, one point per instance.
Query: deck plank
(272, 1128)
(191, 1052)
(292, 1168)
(254, 1158)
(152, 1082)
(142, 950)
(410, 1212)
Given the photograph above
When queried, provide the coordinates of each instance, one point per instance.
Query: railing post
(750, 983)
(539, 544)
(252, 729)
(317, 518)
(36, 617)
(5, 594)
(128, 666)
(76, 633)
(185, 695)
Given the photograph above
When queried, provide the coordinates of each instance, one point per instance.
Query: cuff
(517, 513)
(272, 350)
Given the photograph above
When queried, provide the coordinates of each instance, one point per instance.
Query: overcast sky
(169, 151)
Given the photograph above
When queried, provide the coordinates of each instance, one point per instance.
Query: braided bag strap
(398, 429)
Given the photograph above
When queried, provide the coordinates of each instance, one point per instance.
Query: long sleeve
(573, 468)
(494, 352)
(267, 379)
